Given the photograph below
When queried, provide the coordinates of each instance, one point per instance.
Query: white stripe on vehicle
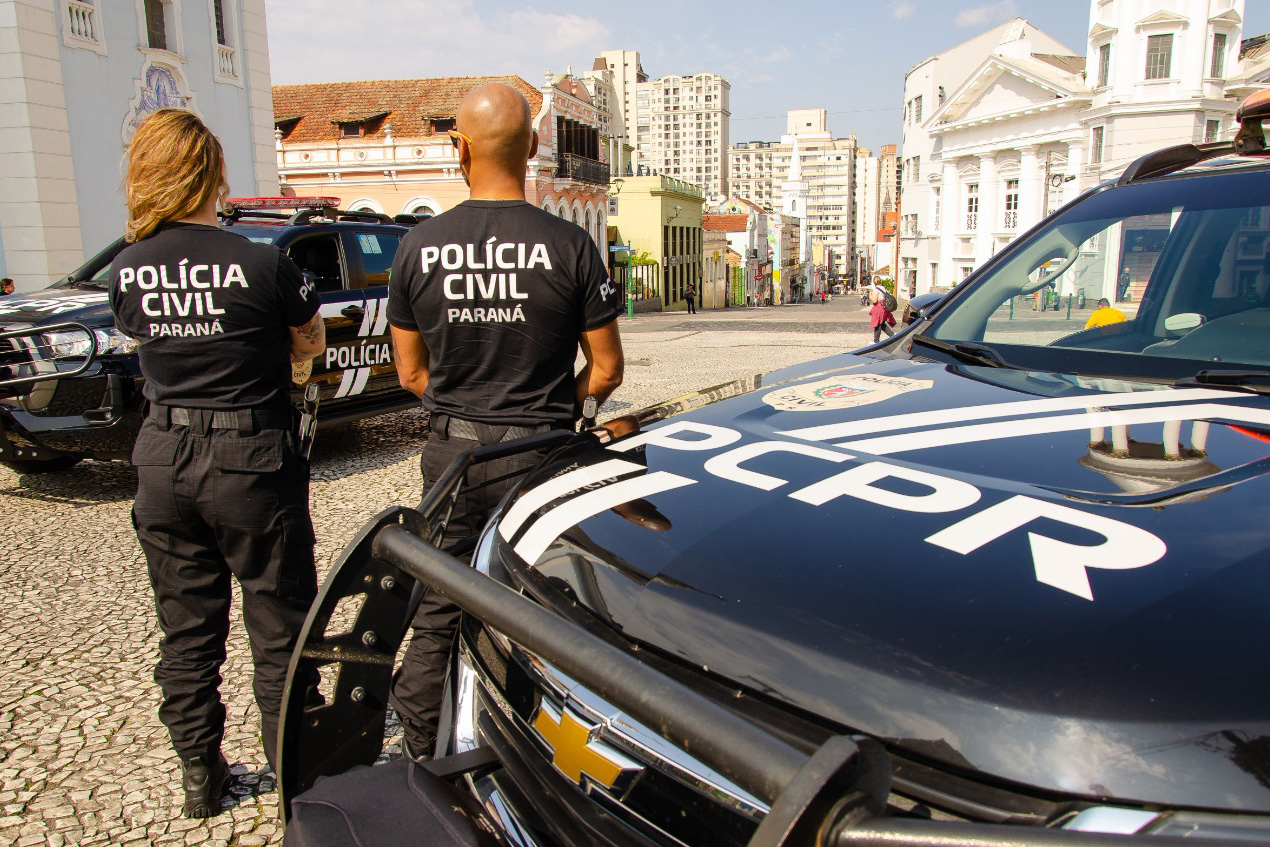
(368, 318)
(346, 382)
(568, 515)
(359, 381)
(1060, 423)
(936, 417)
(568, 483)
(381, 322)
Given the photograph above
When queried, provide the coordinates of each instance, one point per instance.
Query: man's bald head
(497, 119)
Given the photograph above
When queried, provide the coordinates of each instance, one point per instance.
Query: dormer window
(440, 126)
(286, 125)
(359, 124)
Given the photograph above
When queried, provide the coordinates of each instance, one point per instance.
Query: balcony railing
(972, 221)
(582, 169)
(1011, 219)
(83, 23)
(225, 61)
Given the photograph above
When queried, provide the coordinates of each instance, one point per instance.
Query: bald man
(488, 305)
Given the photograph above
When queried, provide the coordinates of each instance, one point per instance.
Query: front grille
(661, 798)
(677, 800)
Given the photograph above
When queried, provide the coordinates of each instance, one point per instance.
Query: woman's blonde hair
(175, 165)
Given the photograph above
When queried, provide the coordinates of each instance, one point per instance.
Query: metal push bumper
(31, 378)
(834, 796)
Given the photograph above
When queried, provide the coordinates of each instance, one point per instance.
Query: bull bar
(834, 796)
(14, 373)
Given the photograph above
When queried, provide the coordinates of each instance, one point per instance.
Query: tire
(59, 463)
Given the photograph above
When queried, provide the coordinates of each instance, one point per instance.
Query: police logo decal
(842, 392)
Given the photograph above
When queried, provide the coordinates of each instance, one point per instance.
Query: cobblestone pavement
(83, 757)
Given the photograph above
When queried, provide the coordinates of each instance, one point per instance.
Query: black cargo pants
(212, 502)
(419, 682)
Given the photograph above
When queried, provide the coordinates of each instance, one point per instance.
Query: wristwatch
(589, 409)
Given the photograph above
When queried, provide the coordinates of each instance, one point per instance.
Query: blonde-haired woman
(221, 487)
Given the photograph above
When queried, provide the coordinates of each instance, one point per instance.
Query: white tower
(794, 193)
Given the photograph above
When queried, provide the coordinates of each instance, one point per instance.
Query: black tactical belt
(447, 427)
(202, 420)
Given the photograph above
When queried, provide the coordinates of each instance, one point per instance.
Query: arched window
(548, 206)
(421, 206)
(365, 204)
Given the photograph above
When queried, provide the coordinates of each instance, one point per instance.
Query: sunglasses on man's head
(455, 135)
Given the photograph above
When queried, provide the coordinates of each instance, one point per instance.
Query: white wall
(67, 101)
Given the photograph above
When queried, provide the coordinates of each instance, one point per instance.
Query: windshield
(1181, 267)
(101, 277)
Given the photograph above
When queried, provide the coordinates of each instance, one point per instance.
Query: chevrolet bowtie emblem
(572, 751)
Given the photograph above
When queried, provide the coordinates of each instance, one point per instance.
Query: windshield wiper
(1254, 382)
(970, 352)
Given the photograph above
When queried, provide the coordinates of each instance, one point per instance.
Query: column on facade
(949, 222)
(989, 208)
(39, 201)
(1030, 192)
(1075, 166)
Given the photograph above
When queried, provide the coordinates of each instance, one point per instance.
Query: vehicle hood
(57, 304)
(1033, 591)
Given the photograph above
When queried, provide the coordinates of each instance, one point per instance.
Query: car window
(377, 250)
(319, 255)
(1184, 264)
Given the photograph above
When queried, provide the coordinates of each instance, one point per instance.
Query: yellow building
(661, 216)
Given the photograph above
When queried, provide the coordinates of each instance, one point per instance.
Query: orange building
(382, 146)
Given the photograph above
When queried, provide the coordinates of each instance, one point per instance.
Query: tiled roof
(1071, 64)
(724, 223)
(408, 104)
(1255, 47)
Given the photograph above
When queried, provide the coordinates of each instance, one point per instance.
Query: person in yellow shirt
(1105, 316)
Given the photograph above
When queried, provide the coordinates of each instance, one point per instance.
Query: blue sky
(846, 57)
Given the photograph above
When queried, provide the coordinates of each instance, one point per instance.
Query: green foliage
(642, 258)
(888, 284)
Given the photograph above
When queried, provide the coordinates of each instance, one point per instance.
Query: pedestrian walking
(492, 360)
(881, 318)
(222, 488)
(1122, 286)
(690, 294)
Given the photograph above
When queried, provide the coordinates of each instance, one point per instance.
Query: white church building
(78, 76)
(1009, 126)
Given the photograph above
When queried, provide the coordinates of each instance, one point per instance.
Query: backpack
(888, 301)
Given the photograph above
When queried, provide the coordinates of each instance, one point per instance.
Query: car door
(322, 257)
(370, 252)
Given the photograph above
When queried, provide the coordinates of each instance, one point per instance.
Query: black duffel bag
(391, 805)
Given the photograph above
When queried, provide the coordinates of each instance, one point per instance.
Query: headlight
(69, 345)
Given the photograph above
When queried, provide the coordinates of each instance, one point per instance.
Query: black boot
(420, 755)
(203, 783)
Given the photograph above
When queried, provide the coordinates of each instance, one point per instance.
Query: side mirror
(921, 306)
(1183, 322)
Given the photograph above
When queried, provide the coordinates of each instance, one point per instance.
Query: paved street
(83, 757)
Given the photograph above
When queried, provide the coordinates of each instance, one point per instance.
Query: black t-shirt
(500, 291)
(210, 311)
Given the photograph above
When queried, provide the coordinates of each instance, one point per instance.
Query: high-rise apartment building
(750, 171)
(681, 129)
(626, 74)
(678, 125)
(827, 165)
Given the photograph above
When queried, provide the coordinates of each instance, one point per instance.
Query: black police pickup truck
(1003, 579)
(70, 385)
